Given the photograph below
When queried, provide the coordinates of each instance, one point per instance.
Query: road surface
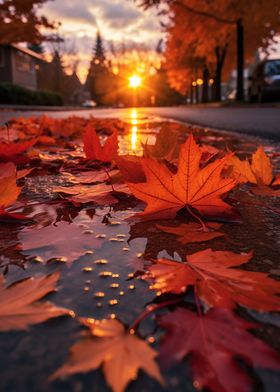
(257, 121)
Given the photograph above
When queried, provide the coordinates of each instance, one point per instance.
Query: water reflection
(132, 142)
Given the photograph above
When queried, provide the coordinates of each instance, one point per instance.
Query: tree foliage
(20, 22)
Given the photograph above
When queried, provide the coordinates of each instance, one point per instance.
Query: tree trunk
(220, 59)
(240, 60)
(205, 97)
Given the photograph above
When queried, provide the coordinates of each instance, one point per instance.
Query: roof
(29, 52)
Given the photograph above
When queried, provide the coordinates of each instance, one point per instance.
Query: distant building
(18, 66)
(52, 77)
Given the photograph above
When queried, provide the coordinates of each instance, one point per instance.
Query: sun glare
(135, 81)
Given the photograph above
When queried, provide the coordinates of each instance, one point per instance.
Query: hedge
(12, 94)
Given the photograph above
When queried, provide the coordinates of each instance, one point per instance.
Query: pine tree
(99, 51)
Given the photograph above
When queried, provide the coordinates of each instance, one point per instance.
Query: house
(18, 66)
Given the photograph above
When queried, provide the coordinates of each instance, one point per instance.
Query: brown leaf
(20, 306)
(120, 352)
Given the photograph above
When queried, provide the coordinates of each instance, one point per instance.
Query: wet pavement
(97, 249)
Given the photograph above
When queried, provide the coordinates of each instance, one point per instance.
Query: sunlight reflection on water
(133, 141)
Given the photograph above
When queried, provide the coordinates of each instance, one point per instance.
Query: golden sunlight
(135, 81)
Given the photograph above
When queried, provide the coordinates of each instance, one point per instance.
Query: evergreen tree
(99, 51)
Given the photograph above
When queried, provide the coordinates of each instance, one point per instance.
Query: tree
(99, 79)
(259, 18)
(20, 23)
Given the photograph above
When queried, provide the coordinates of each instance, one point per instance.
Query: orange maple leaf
(9, 191)
(93, 148)
(200, 188)
(120, 351)
(216, 283)
(19, 306)
(259, 172)
(193, 232)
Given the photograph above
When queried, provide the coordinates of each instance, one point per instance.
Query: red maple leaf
(93, 148)
(9, 151)
(215, 282)
(212, 341)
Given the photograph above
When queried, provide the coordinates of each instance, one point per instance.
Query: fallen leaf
(215, 282)
(131, 168)
(91, 177)
(193, 232)
(166, 193)
(119, 351)
(93, 148)
(213, 341)
(19, 305)
(9, 151)
(64, 241)
(100, 193)
(9, 191)
(258, 172)
(165, 147)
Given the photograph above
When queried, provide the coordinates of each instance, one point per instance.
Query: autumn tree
(20, 21)
(259, 19)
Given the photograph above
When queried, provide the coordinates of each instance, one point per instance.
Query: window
(272, 68)
(2, 57)
(24, 63)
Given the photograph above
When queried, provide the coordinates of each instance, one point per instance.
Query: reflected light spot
(134, 131)
(134, 114)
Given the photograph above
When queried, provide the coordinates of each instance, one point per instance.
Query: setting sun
(135, 81)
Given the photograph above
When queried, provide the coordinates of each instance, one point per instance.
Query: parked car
(88, 104)
(265, 81)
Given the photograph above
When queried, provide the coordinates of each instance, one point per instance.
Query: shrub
(12, 94)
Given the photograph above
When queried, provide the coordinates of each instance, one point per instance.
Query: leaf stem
(204, 227)
(151, 309)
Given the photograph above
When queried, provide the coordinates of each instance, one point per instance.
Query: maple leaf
(213, 341)
(10, 151)
(121, 353)
(100, 193)
(19, 305)
(215, 282)
(258, 172)
(9, 191)
(90, 177)
(166, 145)
(166, 193)
(193, 232)
(65, 241)
(131, 168)
(93, 148)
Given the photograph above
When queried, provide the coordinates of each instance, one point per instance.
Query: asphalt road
(257, 121)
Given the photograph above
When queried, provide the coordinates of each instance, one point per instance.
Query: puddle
(98, 249)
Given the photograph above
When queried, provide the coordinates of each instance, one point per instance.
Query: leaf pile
(76, 167)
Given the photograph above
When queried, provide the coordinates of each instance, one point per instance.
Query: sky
(118, 21)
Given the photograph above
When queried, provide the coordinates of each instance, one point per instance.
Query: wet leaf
(9, 151)
(120, 352)
(95, 151)
(193, 232)
(20, 306)
(213, 341)
(166, 193)
(215, 282)
(100, 194)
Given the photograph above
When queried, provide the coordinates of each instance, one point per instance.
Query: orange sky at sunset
(120, 21)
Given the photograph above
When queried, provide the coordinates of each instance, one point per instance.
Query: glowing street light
(135, 81)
